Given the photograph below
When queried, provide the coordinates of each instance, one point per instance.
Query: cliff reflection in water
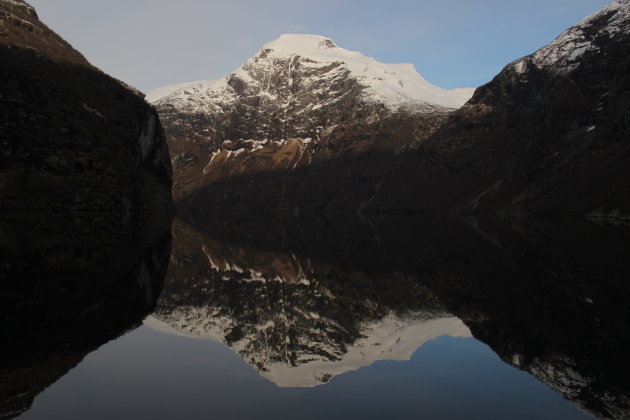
(69, 284)
(303, 299)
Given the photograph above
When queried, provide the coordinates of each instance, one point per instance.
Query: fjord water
(266, 317)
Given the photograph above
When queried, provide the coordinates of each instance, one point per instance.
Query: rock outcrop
(72, 137)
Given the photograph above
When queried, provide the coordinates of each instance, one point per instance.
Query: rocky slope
(550, 134)
(258, 137)
(72, 137)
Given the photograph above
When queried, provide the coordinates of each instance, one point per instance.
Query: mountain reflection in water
(298, 321)
(303, 300)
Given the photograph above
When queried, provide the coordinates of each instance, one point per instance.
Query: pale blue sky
(452, 43)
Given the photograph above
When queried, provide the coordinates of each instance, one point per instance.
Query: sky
(452, 43)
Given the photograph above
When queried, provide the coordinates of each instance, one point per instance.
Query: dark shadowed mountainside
(72, 137)
(550, 134)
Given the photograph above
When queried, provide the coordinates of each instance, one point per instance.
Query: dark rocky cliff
(72, 137)
(550, 134)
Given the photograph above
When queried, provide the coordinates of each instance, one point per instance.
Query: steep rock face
(550, 134)
(72, 137)
(281, 132)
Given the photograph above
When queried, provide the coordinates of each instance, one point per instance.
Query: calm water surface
(148, 374)
(310, 319)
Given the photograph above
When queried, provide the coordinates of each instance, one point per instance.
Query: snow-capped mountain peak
(392, 84)
(312, 60)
